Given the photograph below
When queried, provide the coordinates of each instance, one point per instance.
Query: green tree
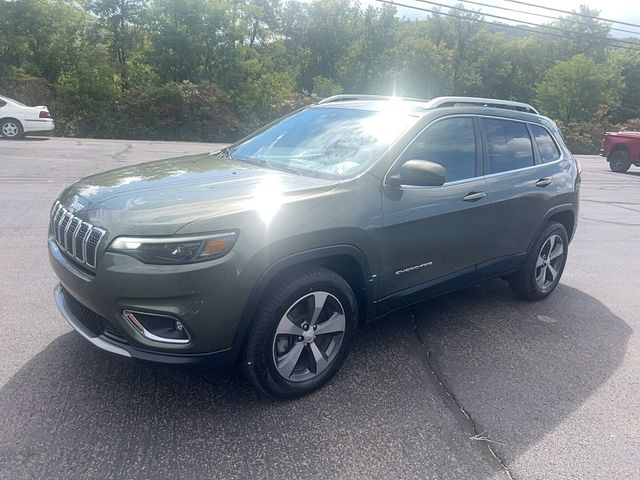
(121, 20)
(627, 64)
(574, 89)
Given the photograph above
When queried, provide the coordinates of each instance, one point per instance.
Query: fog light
(157, 327)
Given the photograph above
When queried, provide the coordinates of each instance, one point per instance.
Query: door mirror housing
(419, 173)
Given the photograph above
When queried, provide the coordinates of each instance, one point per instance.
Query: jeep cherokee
(271, 252)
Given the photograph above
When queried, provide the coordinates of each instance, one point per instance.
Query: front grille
(78, 239)
(90, 319)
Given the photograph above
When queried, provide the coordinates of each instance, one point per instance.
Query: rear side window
(548, 149)
(451, 143)
(508, 144)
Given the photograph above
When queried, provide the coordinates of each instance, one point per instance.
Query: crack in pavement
(456, 407)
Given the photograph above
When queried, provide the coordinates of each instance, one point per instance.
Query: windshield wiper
(224, 153)
(284, 168)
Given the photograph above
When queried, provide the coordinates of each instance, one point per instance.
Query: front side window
(508, 145)
(548, 149)
(325, 141)
(451, 143)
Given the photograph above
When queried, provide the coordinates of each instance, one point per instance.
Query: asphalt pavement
(472, 385)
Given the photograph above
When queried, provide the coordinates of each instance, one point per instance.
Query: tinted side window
(451, 143)
(548, 148)
(508, 144)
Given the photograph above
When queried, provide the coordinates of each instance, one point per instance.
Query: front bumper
(220, 358)
(206, 298)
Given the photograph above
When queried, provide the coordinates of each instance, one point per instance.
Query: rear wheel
(619, 161)
(543, 267)
(11, 128)
(302, 333)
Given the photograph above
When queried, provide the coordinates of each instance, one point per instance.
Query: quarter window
(451, 143)
(548, 149)
(508, 144)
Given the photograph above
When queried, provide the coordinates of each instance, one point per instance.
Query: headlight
(175, 250)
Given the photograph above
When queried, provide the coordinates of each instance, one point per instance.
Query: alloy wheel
(10, 129)
(309, 336)
(549, 263)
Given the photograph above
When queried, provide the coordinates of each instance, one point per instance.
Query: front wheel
(543, 267)
(302, 333)
(619, 161)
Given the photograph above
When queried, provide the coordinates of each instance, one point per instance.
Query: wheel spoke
(559, 250)
(319, 299)
(552, 244)
(321, 362)
(288, 361)
(335, 324)
(552, 271)
(540, 260)
(540, 277)
(287, 327)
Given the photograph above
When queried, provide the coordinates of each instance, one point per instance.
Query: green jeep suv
(271, 252)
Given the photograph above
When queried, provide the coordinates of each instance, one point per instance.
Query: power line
(574, 13)
(494, 24)
(533, 24)
(541, 15)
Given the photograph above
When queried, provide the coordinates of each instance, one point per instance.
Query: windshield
(325, 142)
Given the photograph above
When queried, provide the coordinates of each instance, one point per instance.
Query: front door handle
(543, 182)
(474, 196)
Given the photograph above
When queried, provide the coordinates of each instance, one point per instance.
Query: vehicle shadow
(520, 367)
(76, 412)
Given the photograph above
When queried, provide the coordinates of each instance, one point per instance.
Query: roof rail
(345, 97)
(436, 102)
(487, 102)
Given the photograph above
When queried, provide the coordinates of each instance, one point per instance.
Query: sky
(626, 11)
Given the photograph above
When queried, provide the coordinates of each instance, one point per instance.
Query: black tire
(11, 128)
(619, 161)
(525, 283)
(261, 347)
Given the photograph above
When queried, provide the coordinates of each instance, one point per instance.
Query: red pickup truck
(622, 150)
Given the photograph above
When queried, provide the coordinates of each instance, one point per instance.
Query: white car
(17, 119)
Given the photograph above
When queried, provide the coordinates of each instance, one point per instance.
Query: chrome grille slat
(67, 226)
(79, 239)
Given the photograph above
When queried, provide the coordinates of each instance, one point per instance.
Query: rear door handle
(543, 182)
(474, 196)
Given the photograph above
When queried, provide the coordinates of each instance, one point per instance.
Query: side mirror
(420, 173)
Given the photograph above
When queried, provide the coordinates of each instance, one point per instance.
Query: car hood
(161, 197)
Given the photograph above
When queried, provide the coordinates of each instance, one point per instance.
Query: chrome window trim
(531, 167)
(446, 184)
